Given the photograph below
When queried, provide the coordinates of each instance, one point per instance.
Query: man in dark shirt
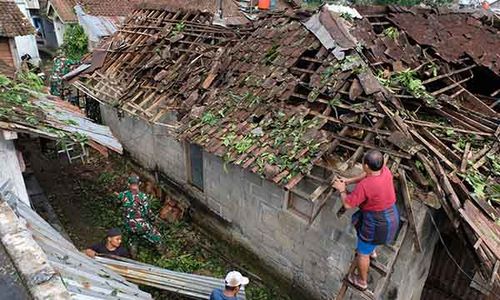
(111, 245)
(377, 220)
(234, 280)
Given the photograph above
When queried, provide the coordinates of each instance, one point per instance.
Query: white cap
(234, 278)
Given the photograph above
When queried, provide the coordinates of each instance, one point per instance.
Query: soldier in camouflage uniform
(137, 214)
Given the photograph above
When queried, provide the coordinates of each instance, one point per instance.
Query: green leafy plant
(209, 118)
(495, 163)
(243, 145)
(477, 181)
(347, 17)
(392, 33)
(75, 42)
(228, 139)
(408, 79)
(178, 28)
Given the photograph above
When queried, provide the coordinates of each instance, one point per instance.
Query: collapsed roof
(299, 97)
(28, 111)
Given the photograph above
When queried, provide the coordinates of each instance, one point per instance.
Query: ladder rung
(366, 294)
(379, 267)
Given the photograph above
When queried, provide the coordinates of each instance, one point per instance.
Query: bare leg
(363, 265)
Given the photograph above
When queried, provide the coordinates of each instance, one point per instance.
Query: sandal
(356, 282)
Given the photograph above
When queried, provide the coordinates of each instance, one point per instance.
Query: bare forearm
(356, 179)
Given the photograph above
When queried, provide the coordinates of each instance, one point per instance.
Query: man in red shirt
(377, 220)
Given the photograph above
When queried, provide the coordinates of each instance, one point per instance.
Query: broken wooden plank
(481, 161)
(354, 158)
(473, 216)
(372, 146)
(433, 149)
(448, 74)
(451, 86)
(438, 189)
(404, 142)
(440, 145)
(409, 210)
(434, 125)
(446, 185)
(465, 157)
(494, 272)
(318, 192)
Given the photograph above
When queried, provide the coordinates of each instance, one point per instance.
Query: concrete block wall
(313, 256)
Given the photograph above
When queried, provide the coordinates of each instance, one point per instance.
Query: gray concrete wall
(312, 256)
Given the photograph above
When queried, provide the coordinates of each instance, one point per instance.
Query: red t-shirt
(374, 193)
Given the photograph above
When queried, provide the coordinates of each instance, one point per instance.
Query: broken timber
(409, 210)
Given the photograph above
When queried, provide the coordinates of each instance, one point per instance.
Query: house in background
(61, 14)
(27, 44)
(14, 26)
(99, 19)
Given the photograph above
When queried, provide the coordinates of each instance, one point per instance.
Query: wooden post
(409, 211)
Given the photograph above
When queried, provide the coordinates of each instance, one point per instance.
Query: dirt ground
(82, 196)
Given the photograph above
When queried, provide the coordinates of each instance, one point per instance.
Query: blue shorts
(365, 248)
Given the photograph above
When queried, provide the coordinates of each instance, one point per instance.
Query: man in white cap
(234, 281)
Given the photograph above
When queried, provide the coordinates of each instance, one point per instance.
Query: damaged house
(254, 122)
(14, 27)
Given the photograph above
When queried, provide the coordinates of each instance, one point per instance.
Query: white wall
(33, 4)
(10, 168)
(26, 44)
(59, 29)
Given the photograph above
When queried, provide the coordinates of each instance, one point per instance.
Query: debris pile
(25, 108)
(299, 97)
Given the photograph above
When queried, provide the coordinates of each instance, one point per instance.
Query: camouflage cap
(133, 179)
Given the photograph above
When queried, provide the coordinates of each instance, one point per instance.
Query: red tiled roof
(12, 21)
(108, 7)
(64, 9)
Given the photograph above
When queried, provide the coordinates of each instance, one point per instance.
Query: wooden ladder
(383, 269)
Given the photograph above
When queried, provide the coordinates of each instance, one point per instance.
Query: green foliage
(178, 28)
(75, 42)
(271, 54)
(4, 81)
(392, 33)
(409, 80)
(495, 164)
(477, 181)
(244, 144)
(15, 95)
(485, 188)
(209, 118)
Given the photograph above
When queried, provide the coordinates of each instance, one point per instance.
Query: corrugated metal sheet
(69, 118)
(83, 277)
(191, 285)
(98, 26)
